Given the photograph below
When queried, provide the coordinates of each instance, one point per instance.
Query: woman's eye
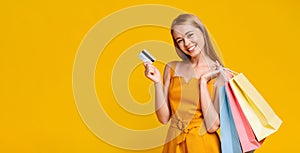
(179, 41)
(190, 35)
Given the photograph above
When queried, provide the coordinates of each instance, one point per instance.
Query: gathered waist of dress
(182, 124)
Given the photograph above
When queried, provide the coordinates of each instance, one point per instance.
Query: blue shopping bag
(230, 142)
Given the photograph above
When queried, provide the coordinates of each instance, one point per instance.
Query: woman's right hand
(152, 73)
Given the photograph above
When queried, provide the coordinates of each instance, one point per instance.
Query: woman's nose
(186, 42)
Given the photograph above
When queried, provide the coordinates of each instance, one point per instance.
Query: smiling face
(189, 39)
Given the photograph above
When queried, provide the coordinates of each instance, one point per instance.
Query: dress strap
(172, 68)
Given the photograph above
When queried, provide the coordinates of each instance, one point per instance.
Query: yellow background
(39, 41)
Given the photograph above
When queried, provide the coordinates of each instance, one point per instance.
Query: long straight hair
(190, 19)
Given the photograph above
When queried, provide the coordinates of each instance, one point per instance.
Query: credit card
(145, 56)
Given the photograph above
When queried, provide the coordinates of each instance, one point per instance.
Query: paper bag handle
(221, 68)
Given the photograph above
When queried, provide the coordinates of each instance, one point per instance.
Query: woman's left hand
(209, 75)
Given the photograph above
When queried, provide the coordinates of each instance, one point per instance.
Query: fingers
(149, 69)
(146, 63)
(151, 72)
(229, 74)
(217, 63)
(210, 75)
(215, 73)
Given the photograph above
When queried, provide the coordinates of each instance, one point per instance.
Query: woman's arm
(211, 116)
(161, 91)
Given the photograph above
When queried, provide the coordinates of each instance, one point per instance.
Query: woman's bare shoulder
(173, 63)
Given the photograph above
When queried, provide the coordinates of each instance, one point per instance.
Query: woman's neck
(200, 60)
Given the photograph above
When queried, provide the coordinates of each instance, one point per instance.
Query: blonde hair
(190, 19)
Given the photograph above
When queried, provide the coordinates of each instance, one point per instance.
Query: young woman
(186, 95)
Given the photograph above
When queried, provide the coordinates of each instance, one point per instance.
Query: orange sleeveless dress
(187, 133)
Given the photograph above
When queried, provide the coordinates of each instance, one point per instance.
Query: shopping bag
(259, 114)
(246, 136)
(229, 138)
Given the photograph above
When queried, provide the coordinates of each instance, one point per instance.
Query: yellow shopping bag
(259, 114)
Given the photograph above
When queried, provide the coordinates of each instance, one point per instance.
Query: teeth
(191, 48)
